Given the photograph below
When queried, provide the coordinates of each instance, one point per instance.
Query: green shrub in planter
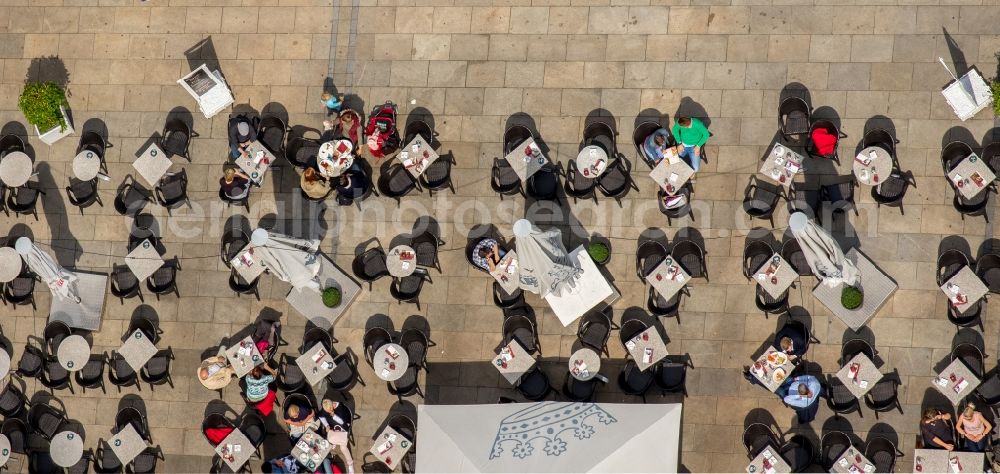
(599, 252)
(995, 89)
(851, 298)
(40, 103)
(331, 297)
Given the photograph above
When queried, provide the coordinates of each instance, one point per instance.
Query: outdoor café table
(648, 340)
(775, 276)
(73, 352)
(4, 449)
(144, 260)
(936, 460)
(127, 444)
(525, 164)
(152, 164)
(417, 155)
(4, 369)
(971, 176)
(668, 278)
(956, 375)
(781, 164)
(15, 169)
(316, 363)
(311, 449)
(867, 375)
(256, 162)
(592, 161)
(10, 264)
(246, 265)
(390, 447)
(244, 356)
(965, 286)
(872, 165)
(334, 157)
(774, 459)
(584, 364)
(877, 287)
(401, 261)
(852, 457)
(671, 166)
(513, 361)
(66, 448)
(86, 165)
(506, 272)
(390, 362)
(235, 450)
(765, 370)
(137, 350)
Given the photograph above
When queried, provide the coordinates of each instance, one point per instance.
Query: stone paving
(472, 64)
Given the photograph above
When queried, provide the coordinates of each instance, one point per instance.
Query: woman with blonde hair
(975, 428)
(336, 418)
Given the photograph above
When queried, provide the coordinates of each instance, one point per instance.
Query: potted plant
(600, 252)
(851, 297)
(995, 90)
(44, 106)
(331, 297)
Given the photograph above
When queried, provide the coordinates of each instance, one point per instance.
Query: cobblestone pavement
(472, 64)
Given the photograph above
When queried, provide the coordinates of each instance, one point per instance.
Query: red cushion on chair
(262, 346)
(266, 406)
(217, 435)
(824, 141)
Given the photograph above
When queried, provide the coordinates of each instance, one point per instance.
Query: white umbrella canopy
(60, 281)
(288, 259)
(543, 263)
(824, 255)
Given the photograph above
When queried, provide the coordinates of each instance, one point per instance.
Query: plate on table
(779, 374)
(776, 358)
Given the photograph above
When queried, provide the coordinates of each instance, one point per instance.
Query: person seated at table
(281, 465)
(234, 183)
(336, 419)
(215, 372)
(792, 341)
(351, 185)
(241, 133)
(258, 390)
(487, 254)
(347, 125)
(802, 393)
(299, 419)
(655, 144)
(314, 185)
(690, 135)
(936, 431)
(975, 428)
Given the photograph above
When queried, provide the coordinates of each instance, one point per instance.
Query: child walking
(332, 102)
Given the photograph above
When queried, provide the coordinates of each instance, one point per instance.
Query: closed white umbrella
(60, 281)
(822, 252)
(289, 259)
(543, 264)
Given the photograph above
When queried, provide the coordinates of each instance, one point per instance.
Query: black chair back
(755, 254)
(953, 153)
(300, 151)
(514, 136)
(176, 138)
(648, 255)
(793, 117)
(881, 138)
(883, 453)
(374, 339)
(832, 446)
(271, 133)
(758, 436)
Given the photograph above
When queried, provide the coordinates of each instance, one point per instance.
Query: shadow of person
(688, 107)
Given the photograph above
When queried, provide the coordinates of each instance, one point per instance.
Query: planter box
(52, 136)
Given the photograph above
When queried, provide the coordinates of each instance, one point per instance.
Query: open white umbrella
(60, 281)
(822, 252)
(543, 264)
(288, 259)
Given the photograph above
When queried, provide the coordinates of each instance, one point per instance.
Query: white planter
(55, 134)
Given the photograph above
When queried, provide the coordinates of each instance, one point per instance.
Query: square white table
(867, 376)
(256, 171)
(127, 444)
(316, 363)
(962, 374)
(778, 463)
(251, 268)
(591, 289)
(781, 272)
(152, 164)
(412, 156)
(937, 460)
(671, 165)
(967, 283)
(668, 278)
(852, 457)
(236, 440)
(781, 165)
(309, 303)
(506, 272)
(518, 363)
(400, 445)
(526, 167)
(637, 348)
(316, 449)
(975, 176)
(243, 362)
(137, 350)
(144, 260)
(765, 374)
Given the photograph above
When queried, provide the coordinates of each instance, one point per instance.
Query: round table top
(397, 265)
(66, 448)
(4, 449)
(86, 165)
(586, 356)
(877, 170)
(10, 264)
(387, 368)
(15, 169)
(4, 367)
(332, 162)
(592, 161)
(73, 352)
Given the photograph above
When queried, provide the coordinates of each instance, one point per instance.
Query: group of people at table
(685, 141)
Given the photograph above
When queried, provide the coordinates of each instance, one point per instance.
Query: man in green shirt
(690, 135)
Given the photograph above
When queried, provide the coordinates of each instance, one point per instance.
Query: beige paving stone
(586, 47)
(706, 48)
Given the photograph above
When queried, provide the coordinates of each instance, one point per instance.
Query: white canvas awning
(548, 437)
(822, 253)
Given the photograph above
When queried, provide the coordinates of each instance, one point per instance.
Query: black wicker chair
(124, 284)
(595, 329)
(83, 194)
(660, 306)
(20, 290)
(32, 360)
(171, 192)
(502, 299)
(415, 342)
(408, 288)
(792, 253)
(798, 452)
(300, 151)
(374, 339)
(884, 395)
(92, 373)
(10, 144)
(544, 184)
(426, 246)
(970, 355)
(131, 197)
(755, 253)
(840, 195)
(437, 176)
(970, 317)
(577, 185)
(46, 420)
(832, 446)
(635, 382)
(953, 153)
(671, 374)
(345, 374)
(891, 191)
(839, 399)
(13, 402)
(503, 179)
(176, 138)
(130, 415)
(881, 138)
(157, 369)
(164, 279)
(579, 391)
(23, 200)
(290, 378)
(55, 376)
(617, 179)
(758, 436)
(991, 155)
(628, 330)
(793, 118)
(760, 199)
(396, 182)
(976, 206)
(988, 270)
(832, 130)
(523, 329)
(854, 347)
(691, 257)
(370, 265)
(215, 420)
(950, 262)
(648, 256)
(639, 135)
(883, 453)
(271, 133)
(16, 431)
(120, 374)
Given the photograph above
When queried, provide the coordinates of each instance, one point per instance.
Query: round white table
(334, 157)
(584, 364)
(10, 264)
(86, 165)
(387, 368)
(66, 448)
(4, 367)
(73, 352)
(15, 169)
(4, 449)
(401, 261)
(592, 161)
(878, 168)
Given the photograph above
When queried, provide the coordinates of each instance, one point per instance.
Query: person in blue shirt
(802, 393)
(655, 144)
(332, 102)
